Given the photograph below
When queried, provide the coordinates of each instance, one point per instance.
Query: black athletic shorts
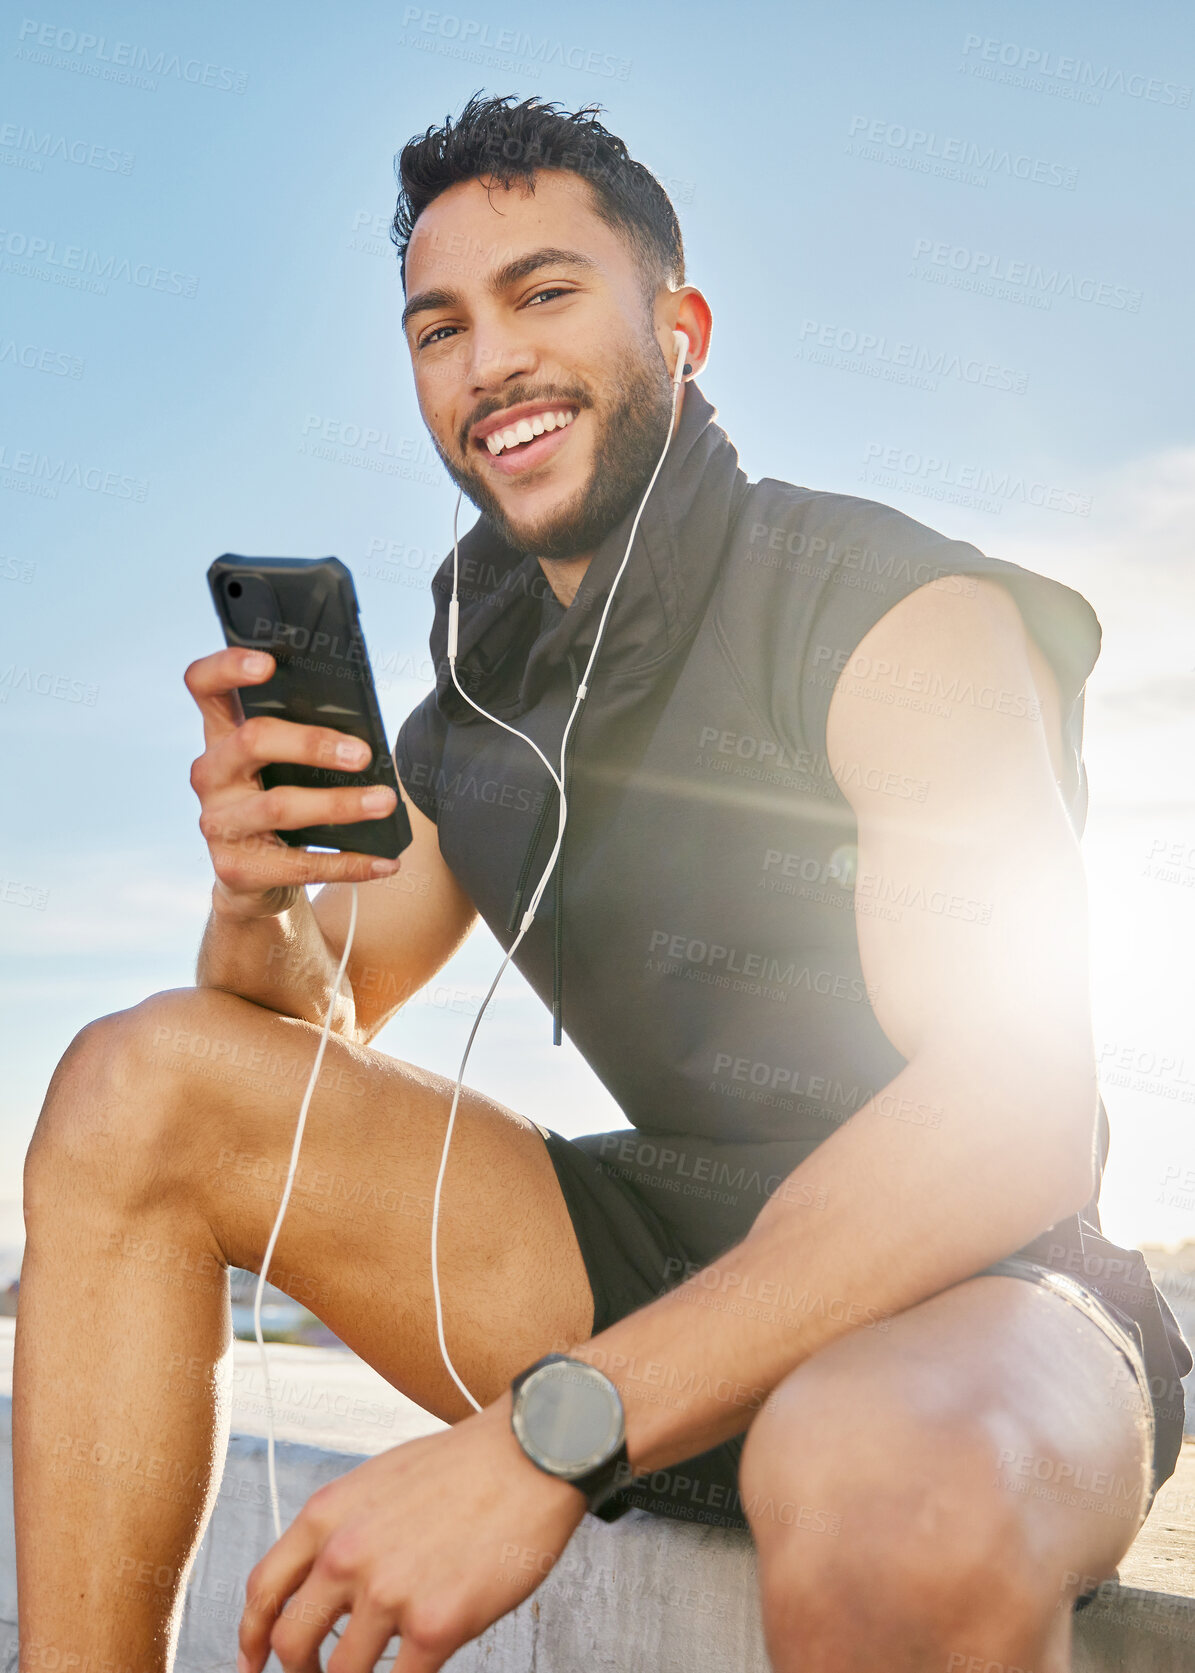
(649, 1212)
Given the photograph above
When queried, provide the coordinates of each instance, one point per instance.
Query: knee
(884, 1495)
(109, 1123)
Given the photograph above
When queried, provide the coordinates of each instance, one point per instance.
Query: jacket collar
(511, 643)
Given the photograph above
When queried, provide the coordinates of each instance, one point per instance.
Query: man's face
(501, 342)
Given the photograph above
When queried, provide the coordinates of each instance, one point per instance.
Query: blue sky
(945, 255)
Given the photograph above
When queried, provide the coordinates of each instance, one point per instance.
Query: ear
(688, 311)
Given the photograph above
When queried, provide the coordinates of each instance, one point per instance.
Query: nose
(494, 359)
(495, 355)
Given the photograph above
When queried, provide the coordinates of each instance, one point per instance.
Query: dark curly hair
(496, 137)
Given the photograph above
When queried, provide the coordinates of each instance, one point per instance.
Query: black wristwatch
(568, 1418)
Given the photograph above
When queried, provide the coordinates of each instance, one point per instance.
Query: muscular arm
(985, 1138)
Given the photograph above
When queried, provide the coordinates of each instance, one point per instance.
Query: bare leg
(889, 1485)
(148, 1175)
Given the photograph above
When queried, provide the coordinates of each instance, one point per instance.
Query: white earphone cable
(290, 1179)
(528, 916)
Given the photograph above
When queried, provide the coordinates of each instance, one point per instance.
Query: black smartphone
(303, 611)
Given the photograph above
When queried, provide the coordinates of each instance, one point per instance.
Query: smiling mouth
(525, 432)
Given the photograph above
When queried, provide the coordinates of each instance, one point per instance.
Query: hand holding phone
(275, 774)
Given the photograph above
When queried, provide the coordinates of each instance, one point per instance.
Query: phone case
(304, 612)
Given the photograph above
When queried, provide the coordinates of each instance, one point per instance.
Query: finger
(265, 738)
(238, 756)
(363, 1642)
(294, 807)
(261, 863)
(213, 682)
(270, 1583)
(307, 1619)
(415, 1656)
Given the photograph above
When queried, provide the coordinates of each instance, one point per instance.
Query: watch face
(568, 1418)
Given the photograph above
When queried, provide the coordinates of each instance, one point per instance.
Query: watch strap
(601, 1486)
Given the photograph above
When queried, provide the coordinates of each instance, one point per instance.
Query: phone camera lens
(235, 589)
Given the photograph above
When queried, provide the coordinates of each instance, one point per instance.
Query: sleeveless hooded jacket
(699, 930)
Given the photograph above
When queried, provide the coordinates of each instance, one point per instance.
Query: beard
(631, 431)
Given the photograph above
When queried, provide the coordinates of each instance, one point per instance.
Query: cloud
(127, 901)
(1132, 560)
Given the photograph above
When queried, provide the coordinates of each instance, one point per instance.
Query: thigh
(226, 1079)
(986, 1431)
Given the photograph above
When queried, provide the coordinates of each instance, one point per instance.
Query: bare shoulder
(950, 664)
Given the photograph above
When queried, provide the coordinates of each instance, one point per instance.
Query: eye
(548, 290)
(432, 335)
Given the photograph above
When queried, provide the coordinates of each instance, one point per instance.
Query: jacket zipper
(516, 910)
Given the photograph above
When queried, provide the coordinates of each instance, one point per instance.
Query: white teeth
(526, 430)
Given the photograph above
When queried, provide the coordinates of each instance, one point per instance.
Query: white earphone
(681, 344)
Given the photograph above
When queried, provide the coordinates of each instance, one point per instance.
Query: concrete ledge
(639, 1596)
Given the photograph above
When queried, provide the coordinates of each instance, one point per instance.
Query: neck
(565, 575)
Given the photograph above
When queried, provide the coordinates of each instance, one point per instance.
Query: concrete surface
(639, 1596)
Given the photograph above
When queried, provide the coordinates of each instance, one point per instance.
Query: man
(819, 924)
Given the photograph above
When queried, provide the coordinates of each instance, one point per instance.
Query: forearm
(886, 1212)
(282, 962)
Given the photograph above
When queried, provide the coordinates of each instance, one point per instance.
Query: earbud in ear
(682, 349)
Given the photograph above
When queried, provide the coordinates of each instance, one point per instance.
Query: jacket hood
(506, 656)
